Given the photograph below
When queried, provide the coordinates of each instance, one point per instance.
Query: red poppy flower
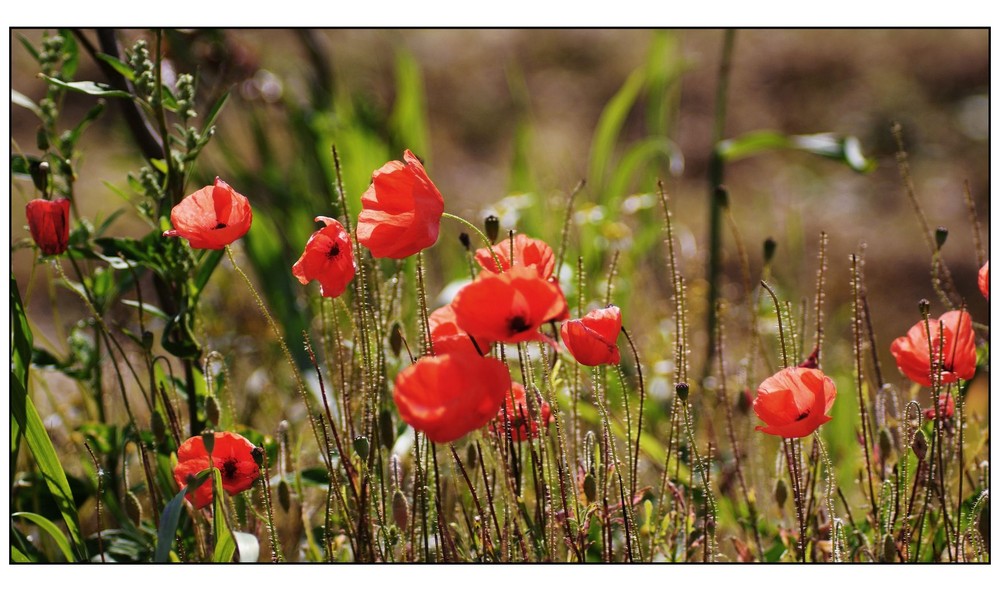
(528, 252)
(448, 337)
(794, 402)
(913, 359)
(515, 410)
(984, 280)
(591, 339)
(947, 404)
(328, 258)
(212, 217)
(447, 396)
(232, 454)
(49, 224)
(401, 210)
(508, 307)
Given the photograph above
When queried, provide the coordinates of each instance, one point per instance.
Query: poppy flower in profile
(48, 222)
(984, 280)
(509, 307)
(528, 252)
(328, 258)
(448, 337)
(794, 402)
(401, 210)
(591, 340)
(232, 454)
(212, 217)
(947, 405)
(450, 395)
(914, 359)
(515, 410)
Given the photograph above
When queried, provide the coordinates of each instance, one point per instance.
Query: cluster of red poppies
(461, 388)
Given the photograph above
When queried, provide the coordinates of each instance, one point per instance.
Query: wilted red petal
(591, 340)
(509, 307)
(211, 217)
(401, 210)
(914, 358)
(328, 258)
(794, 402)
(232, 454)
(48, 222)
(450, 395)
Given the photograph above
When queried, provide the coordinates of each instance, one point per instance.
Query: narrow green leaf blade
(50, 528)
(119, 66)
(87, 87)
(25, 418)
(23, 101)
(171, 517)
(225, 544)
(609, 126)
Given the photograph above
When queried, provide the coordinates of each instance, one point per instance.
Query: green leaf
(27, 45)
(92, 115)
(18, 556)
(213, 113)
(409, 119)
(21, 336)
(843, 149)
(638, 158)
(171, 515)
(72, 53)
(610, 125)
(91, 88)
(50, 528)
(22, 101)
(119, 66)
(147, 308)
(225, 544)
(24, 418)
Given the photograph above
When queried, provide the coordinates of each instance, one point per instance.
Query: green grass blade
(225, 544)
(50, 528)
(409, 115)
(170, 517)
(25, 419)
(609, 127)
(91, 88)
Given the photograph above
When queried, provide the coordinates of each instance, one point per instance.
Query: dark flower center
(517, 324)
(229, 469)
(804, 414)
(334, 251)
(219, 226)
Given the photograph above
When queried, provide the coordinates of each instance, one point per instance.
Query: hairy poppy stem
(866, 434)
(482, 236)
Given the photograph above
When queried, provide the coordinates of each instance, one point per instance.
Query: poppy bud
(492, 225)
(722, 196)
(147, 340)
(400, 509)
(682, 390)
(884, 442)
(386, 433)
(48, 222)
(133, 508)
(361, 446)
(40, 176)
(212, 410)
(590, 487)
(769, 247)
(940, 235)
(42, 139)
(159, 427)
(284, 495)
(471, 457)
(925, 307)
(464, 239)
(208, 439)
(888, 549)
(919, 445)
(396, 338)
(780, 492)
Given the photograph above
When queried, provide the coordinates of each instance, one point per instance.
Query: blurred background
(509, 121)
